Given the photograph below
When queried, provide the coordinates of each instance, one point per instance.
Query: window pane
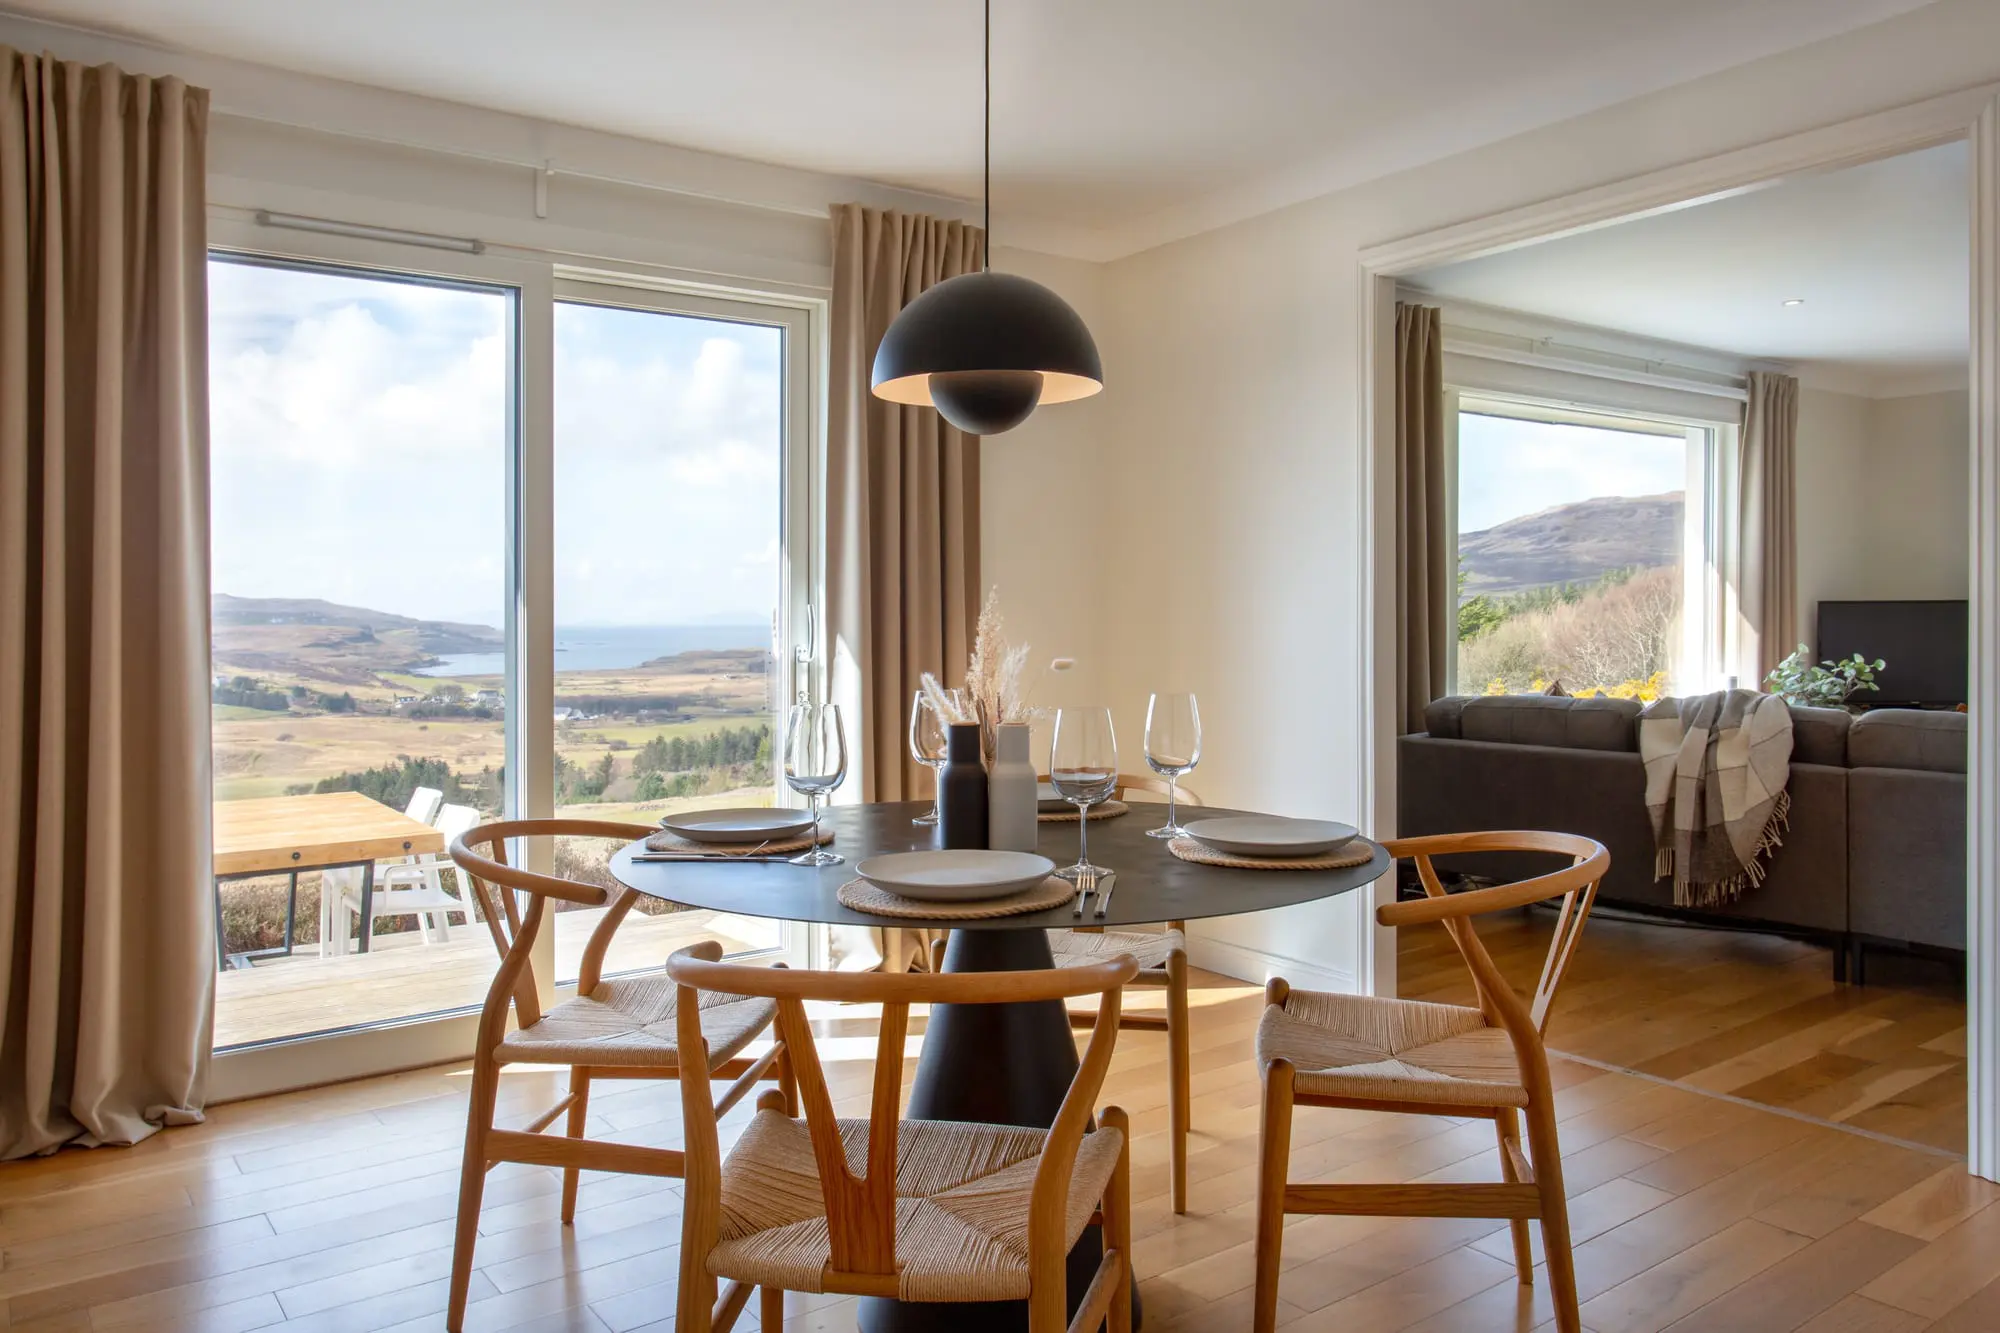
(669, 473)
(358, 486)
(1569, 556)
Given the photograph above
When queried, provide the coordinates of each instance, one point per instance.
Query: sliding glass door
(486, 542)
(362, 440)
(678, 432)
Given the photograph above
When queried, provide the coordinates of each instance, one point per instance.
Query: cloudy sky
(1507, 468)
(360, 452)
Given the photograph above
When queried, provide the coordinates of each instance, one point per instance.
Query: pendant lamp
(986, 349)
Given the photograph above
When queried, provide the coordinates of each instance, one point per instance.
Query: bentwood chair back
(622, 1027)
(1487, 1062)
(914, 1209)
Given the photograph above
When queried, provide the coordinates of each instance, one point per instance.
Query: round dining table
(997, 1064)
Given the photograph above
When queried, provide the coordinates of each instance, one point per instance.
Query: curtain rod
(1546, 354)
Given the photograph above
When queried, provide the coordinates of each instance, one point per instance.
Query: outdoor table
(1006, 1064)
(284, 835)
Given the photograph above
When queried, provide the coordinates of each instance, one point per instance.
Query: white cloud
(1508, 468)
(360, 452)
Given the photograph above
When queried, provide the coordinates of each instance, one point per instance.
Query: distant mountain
(1573, 543)
(437, 636)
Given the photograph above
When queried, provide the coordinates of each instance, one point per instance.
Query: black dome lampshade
(987, 349)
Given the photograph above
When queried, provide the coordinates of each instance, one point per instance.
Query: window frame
(1702, 660)
(536, 285)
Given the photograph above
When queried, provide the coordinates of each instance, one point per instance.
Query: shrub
(1620, 632)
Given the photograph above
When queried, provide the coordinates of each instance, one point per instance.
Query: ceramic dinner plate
(1271, 835)
(960, 876)
(748, 824)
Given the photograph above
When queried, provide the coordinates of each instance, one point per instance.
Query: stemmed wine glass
(1083, 768)
(929, 736)
(815, 764)
(1173, 748)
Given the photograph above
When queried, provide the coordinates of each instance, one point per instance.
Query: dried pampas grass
(993, 693)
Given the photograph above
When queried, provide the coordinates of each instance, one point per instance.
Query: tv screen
(1924, 644)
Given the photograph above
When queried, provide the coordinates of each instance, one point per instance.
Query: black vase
(962, 790)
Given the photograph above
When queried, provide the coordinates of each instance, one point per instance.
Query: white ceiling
(1880, 254)
(1146, 119)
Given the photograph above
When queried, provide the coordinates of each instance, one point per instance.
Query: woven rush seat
(1075, 948)
(1375, 1049)
(630, 1021)
(962, 1196)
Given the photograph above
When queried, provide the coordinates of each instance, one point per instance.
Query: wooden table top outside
(280, 833)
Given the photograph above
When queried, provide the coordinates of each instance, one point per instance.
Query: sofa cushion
(1908, 738)
(1441, 715)
(1819, 735)
(1563, 722)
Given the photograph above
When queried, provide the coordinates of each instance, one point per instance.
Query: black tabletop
(1153, 884)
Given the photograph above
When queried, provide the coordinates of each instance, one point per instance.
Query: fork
(1086, 884)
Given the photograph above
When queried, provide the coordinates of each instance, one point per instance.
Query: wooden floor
(330, 1210)
(403, 977)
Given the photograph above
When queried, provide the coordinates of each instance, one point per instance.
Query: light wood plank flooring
(330, 1210)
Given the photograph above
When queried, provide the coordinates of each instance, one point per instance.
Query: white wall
(1881, 498)
(1236, 452)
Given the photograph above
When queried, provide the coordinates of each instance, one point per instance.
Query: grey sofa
(1875, 852)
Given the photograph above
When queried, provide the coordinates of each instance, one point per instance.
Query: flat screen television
(1924, 643)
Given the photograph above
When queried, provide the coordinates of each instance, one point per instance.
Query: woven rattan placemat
(862, 896)
(1358, 852)
(1102, 810)
(664, 841)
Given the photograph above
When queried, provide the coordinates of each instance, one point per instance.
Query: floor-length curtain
(107, 951)
(1423, 539)
(1766, 522)
(902, 585)
(902, 525)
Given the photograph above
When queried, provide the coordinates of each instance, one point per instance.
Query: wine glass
(815, 764)
(929, 735)
(1173, 747)
(1083, 768)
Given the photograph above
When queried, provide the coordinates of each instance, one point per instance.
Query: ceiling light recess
(986, 349)
(1794, 300)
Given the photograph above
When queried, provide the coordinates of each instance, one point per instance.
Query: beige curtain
(1767, 527)
(902, 523)
(1424, 575)
(902, 492)
(107, 951)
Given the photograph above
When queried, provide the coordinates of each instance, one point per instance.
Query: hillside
(326, 644)
(1573, 543)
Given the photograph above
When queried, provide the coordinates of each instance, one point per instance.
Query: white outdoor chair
(336, 886)
(416, 887)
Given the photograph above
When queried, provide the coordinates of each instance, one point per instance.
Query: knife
(1104, 886)
(654, 857)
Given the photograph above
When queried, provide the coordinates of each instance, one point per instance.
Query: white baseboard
(1255, 965)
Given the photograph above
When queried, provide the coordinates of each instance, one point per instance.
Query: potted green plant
(1798, 680)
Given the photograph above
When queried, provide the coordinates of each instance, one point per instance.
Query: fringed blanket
(1716, 770)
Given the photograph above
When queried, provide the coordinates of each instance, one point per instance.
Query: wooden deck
(402, 977)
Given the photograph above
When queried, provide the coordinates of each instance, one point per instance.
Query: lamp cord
(986, 188)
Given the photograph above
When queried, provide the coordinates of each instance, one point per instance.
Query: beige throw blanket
(1716, 770)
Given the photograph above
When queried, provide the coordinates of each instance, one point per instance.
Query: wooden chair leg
(1508, 1125)
(771, 1309)
(579, 1112)
(1179, 1100)
(1274, 1151)
(694, 1302)
(471, 1188)
(1546, 1158)
(1118, 1219)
